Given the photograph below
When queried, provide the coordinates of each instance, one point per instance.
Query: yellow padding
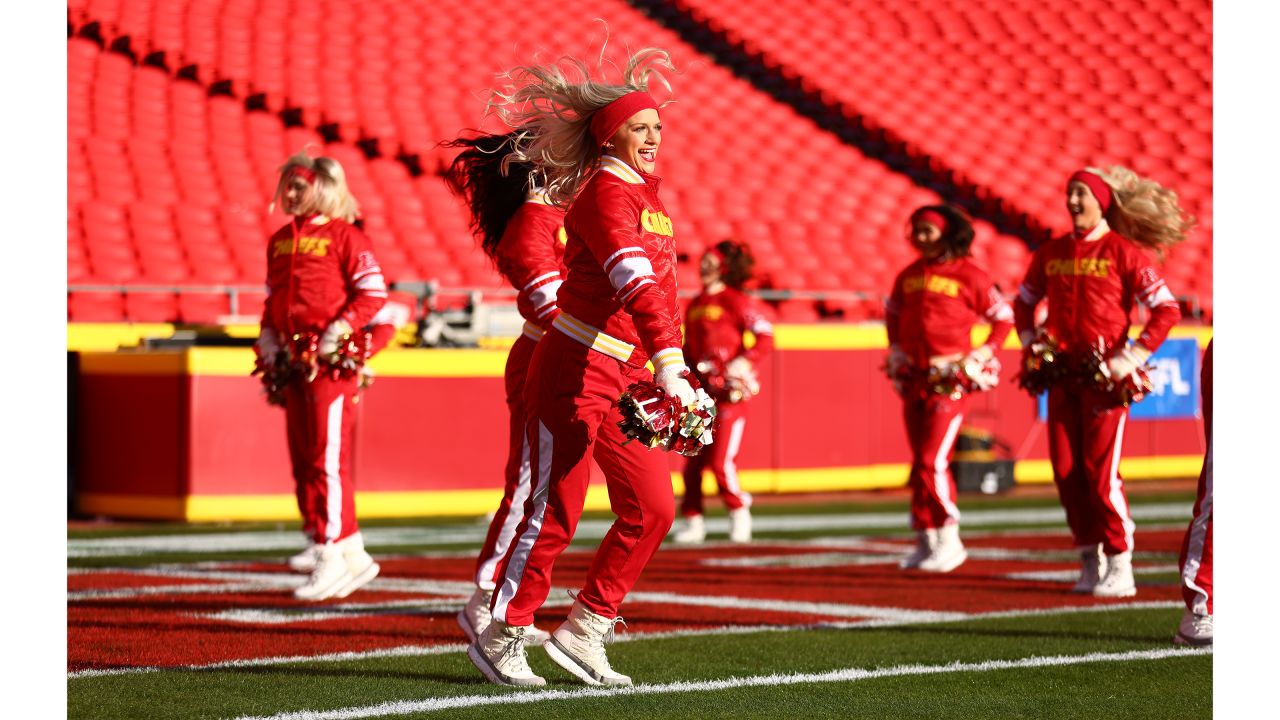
(426, 503)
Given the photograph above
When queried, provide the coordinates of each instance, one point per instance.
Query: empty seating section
(168, 185)
(1014, 94)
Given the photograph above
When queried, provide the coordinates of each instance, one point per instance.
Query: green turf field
(715, 632)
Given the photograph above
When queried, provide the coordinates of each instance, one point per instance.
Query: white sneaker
(499, 654)
(578, 646)
(1118, 580)
(329, 576)
(305, 561)
(740, 525)
(474, 617)
(926, 540)
(948, 554)
(694, 530)
(1093, 565)
(1194, 630)
(361, 567)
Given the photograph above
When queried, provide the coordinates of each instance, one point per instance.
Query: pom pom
(657, 420)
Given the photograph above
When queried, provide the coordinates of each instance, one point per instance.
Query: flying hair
(1144, 211)
(553, 104)
(493, 187)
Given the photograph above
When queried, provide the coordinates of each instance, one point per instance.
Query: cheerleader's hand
(333, 335)
(981, 367)
(742, 373)
(1127, 359)
(672, 381)
(268, 344)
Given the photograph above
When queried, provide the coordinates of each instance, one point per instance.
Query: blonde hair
(1143, 210)
(332, 197)
(553, 105)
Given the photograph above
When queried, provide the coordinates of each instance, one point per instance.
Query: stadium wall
(186, 434)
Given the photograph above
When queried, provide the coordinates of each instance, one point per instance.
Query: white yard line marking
(1074, 574)
(292, 540)
(878, 552)
(419, 650)
(794, 606)
(406, 707)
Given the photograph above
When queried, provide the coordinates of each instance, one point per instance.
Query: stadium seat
(197, 308)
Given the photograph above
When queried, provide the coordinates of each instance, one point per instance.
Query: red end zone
(179, 616)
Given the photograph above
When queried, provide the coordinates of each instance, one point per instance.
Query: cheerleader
(929, 317)
(595, 144)
(523, 234)
(715, 325)
(322, 283)
(1091, 278)
(1195, 560)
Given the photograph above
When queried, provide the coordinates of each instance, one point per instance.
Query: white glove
(672, 381)
(268, 344)
(742, 372)
(981, 368)
(1127, 359)
(337, 330)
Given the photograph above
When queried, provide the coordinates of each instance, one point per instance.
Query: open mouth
(648, 155)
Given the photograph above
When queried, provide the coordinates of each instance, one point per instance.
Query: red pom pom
(656, 419)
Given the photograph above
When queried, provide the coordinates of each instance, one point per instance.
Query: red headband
(606, 121)
(932, 216)
(305, 173)
(1099, 187)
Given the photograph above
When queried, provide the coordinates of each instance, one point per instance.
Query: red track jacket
(621, 257)
(933, 306)
(320, 269)
(1091, 283)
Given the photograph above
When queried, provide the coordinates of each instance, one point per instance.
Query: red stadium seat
(197, 308)
(150, 307)
(95, 306)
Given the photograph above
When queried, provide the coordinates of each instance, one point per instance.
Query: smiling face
(926, 238)
(709, 269)
(636, 142)
(1085, 210)
(298, 196)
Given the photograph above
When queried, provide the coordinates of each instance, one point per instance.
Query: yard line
(237, 580)
(291, 540)
(845, 675)
(418, 650)
(795, 606)
(1074, 574)
(889, 553)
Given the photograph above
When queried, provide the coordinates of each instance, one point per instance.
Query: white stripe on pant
(941, 481)
(515, 513)
(332, 475)
(1195, 544)
(520, 554)
(1116, 493)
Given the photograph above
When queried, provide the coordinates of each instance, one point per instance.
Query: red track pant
(1196, 558)
(515, 489)
(1086, 433)
(321, 421)
(572, 395)
(720, 459)
(933, 422)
